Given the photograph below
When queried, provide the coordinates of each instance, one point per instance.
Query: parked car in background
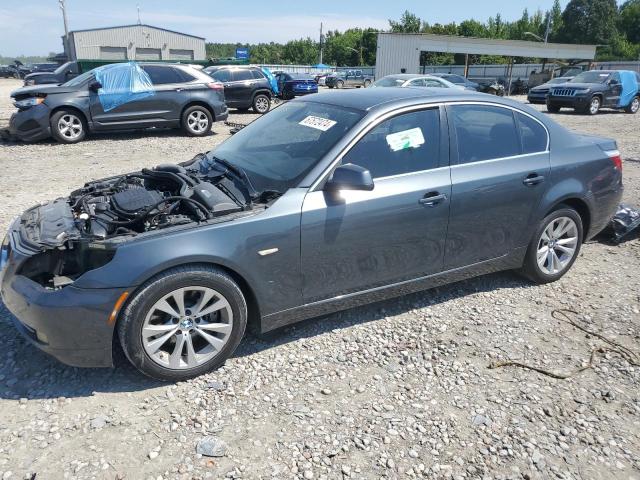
(244, 87)
(349, 78)
(61, 74)
(414, 80)
(595, 89)
(321, 79)
(292, 85)
(178, 97)
(15, 70)
(355, 197)
(5, 71)
(458, 80)
(539, 94)
(491, 86)
(44, 67)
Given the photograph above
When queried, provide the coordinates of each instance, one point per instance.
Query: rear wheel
(261, 103)
(634, 106)
(196, 121)
(551, 108)
(68, 126)
(554, 247)
(183, 323)
(367, 83)
(339, 84)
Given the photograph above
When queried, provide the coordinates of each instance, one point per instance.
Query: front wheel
(196, 121)
(339, 84)
(594, 106)
(551, 108)
(183, 323)
(68, 126)
(554, 247)
(367, 83)
(634, 106)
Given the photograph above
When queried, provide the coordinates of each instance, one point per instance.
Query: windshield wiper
(240, 174)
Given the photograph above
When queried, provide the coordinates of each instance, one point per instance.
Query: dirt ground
(398, 389)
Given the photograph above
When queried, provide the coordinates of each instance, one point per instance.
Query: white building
(134, 42)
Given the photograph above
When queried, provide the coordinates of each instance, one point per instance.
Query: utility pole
(546, 33)
(321, 42)
(66, 29)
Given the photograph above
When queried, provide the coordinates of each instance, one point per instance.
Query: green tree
(589, 21)
(629, 23)
(408, 23)
(556, 20)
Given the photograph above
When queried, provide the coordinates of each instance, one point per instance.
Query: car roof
(369, 98)
(409, 76)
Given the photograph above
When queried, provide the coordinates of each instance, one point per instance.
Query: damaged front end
(67, 237)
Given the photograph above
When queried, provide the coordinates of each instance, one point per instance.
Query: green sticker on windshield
(406, 139)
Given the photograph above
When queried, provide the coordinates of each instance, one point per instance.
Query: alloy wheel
(70, 126)
(594, 106)
(557, 245)
(187, 327)
(198, 121)
(262, 104)
(635, 105)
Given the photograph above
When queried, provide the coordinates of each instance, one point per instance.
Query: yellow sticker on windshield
(318, 123)
(406, 139)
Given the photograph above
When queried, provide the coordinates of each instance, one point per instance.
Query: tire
(634, 106)
(339, 84)
(68, 126)
(164, 351)
(367, 83)
(549, 270)
(196, 121)
(594, 106)
(261, 103)
(551, 108)
(330, 86)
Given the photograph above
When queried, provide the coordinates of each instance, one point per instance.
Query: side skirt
(344, 302)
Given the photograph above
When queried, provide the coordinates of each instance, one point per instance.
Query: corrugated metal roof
(136, 25)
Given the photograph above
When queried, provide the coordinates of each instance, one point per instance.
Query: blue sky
(34, 27)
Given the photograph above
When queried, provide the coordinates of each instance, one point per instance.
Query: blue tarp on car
(272, 80)
(629, 87)
(122, 83)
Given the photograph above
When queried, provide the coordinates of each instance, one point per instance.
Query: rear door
(365, 239)
(240, 88)
(499, 172)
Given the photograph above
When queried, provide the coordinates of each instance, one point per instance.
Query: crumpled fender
(629, 87)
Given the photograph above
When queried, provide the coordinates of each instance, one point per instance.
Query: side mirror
(95, 86)
(349, 177)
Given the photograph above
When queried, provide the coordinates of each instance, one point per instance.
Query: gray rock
(211, 446)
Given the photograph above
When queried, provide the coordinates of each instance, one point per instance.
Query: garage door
(113, 53)
(148, 54)
(179, 54)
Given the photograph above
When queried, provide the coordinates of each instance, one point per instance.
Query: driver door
(614, 90)
(357, 240)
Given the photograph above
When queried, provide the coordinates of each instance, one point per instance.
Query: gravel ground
(399, 389)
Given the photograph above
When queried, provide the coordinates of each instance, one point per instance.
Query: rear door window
(484, 132)
(404, 144)
(532, 134)
(256, 74)
(242, 75)
(163, 75)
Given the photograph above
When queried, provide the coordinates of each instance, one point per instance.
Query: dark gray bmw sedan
(357, 196)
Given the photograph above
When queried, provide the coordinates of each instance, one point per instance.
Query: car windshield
(79, 79)
(555, 81)
(301, 76)
(278, 149)
(389, 82)
(591, 77)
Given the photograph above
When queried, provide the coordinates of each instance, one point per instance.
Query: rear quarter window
(532, 134)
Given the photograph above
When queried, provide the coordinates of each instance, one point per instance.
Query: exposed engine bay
(81, 232)
(165, 196)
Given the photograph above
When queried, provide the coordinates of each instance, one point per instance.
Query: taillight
(215, 86)
(614, 155)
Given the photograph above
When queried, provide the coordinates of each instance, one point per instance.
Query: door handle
(432, 199)
(179, 89)
(533, 179)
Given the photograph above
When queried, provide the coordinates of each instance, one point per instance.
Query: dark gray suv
(180, 96)
(357, 196)
(244, 87)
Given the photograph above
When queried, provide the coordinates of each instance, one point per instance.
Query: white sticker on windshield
(407, 139)
(318, 123)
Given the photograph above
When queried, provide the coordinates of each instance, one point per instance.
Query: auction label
(318, 123)
(406, 139)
